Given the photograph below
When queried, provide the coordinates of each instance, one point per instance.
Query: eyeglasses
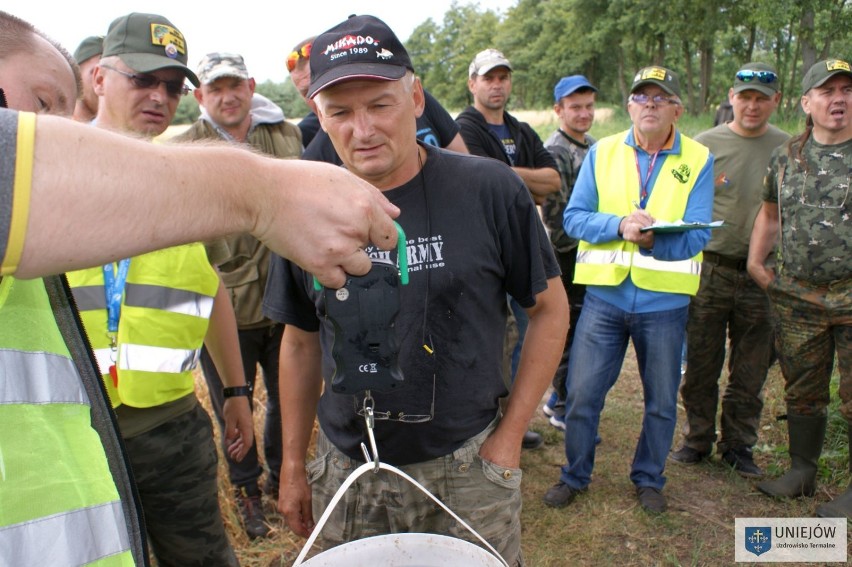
(659, 100)
(173, 88)
(762, 76)
(824, 198)
(303, 53)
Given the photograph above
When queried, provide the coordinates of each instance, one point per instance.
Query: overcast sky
(263, 32)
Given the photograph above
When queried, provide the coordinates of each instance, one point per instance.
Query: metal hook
(371, 422)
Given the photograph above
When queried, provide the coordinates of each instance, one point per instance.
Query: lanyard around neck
(643, 185)
(114, 283)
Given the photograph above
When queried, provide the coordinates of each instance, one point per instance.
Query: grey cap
(821, 71)
(757, 77)
(486, 60)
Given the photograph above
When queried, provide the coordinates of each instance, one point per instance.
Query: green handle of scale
(401, 258)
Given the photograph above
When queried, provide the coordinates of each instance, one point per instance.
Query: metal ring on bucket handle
(370, 467)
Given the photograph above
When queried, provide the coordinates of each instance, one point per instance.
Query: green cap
(822, 71)
(88, 48)
(659, 76)
(146, 43)
(757, 77)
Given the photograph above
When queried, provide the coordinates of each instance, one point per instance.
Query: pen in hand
(636, 204)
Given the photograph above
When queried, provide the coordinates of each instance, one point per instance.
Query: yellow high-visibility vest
(165, 312)
(618, 185)
(59, 501)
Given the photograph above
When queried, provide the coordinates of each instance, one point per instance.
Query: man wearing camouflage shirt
(575, 106)
(806, 210)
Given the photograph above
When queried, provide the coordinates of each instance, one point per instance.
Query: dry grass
(605, 526)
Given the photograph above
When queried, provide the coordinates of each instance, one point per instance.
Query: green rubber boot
(806, 433)
(842, 505)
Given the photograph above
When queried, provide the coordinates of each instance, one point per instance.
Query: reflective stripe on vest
(43, 379)
(66, 538)
(169, 299)
(609, 263)
(623, 258)
(157, 359)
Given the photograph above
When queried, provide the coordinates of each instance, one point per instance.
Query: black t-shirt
(472, 236)
(435, 127)
(309, 125)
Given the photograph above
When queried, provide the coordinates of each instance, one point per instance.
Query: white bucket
(405, 550)
(401, 549)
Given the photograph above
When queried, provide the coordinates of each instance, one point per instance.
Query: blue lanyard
(114, 282)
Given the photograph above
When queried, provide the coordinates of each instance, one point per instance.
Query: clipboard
(680, 226)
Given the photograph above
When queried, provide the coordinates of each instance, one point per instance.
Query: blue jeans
(600, 343)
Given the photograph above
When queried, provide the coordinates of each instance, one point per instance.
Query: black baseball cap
(656, 75)
(361, 47)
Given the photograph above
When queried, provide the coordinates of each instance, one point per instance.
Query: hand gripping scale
(363, 315)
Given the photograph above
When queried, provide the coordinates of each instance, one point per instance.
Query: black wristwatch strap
(236, 391)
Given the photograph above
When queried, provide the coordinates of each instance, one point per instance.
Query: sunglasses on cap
(762, 76)
(173, 88)
(303, 53)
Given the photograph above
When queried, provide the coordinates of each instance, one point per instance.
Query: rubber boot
(842, 505)
(806, 433)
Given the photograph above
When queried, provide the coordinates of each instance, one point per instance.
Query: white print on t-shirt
(424, 253)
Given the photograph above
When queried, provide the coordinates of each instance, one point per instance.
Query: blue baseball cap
(569, 85)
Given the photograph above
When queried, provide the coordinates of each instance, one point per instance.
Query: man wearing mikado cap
(729, 303)
(638, 283)
(148, 316)
(806, 209)
(574, 105)
(87, 55)
(473, 234)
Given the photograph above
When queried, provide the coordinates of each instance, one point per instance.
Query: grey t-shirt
(740, 166)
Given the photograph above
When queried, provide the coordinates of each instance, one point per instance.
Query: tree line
(704, 42)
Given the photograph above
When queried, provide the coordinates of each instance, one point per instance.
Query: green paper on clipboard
(680, 226)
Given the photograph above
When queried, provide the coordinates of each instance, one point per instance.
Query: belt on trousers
(724, 261)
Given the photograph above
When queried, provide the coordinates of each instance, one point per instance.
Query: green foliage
(284, 95)
(187, 111)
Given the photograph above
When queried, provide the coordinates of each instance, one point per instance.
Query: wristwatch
(233, 391)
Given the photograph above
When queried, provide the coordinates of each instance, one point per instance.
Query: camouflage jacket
(815, 209)
(569, 155)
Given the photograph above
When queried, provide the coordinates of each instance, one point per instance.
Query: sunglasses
(303, 53)
(173, 88)
(762, 76)
(659, 100)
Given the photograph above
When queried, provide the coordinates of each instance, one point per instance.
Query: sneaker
(251, 510)
(741, 460)
(688, 456)
(549, 407)
(651, 499)
(560, 495)
(557, 422)
(532, 440)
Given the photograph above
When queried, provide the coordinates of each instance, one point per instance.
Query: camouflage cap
(217, 65)
(659, 76)
(821, 71)
(88, 48)
(148, 42)
(486, 60)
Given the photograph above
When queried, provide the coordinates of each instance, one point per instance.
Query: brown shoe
(251, 510)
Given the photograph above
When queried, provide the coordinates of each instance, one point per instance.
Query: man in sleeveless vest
(231, 110)
(638, 283)
(54, 412)
(147, 316)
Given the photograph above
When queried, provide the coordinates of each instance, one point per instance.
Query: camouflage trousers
(728, 304)
(175, 470)
(814, 324)
(484, 495)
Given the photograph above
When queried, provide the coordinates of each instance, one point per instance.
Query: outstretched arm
(97, 196)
